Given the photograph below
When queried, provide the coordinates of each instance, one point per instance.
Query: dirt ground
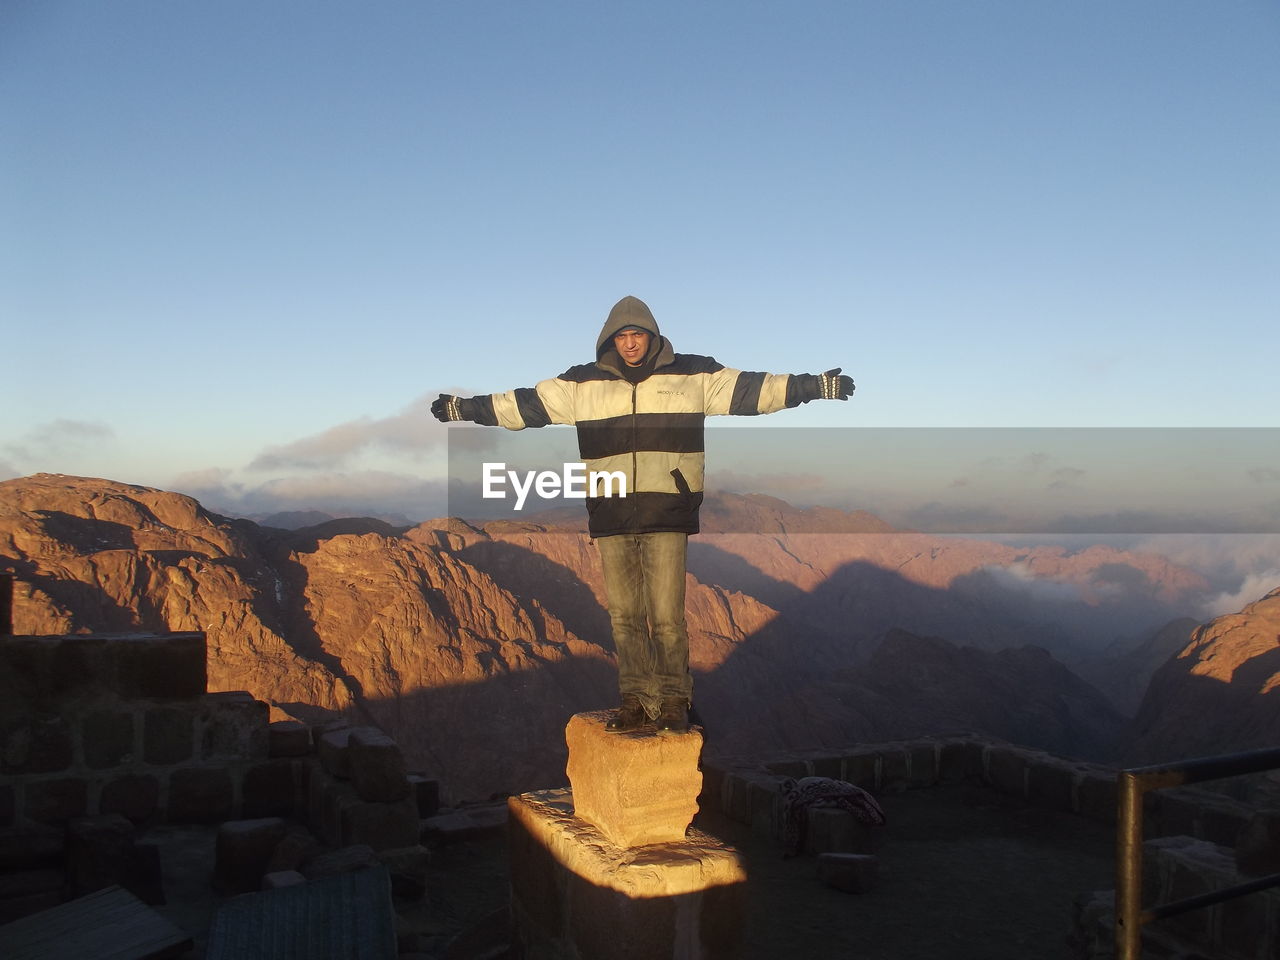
(965, 874)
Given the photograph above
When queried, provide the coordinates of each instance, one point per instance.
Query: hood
(631, 312)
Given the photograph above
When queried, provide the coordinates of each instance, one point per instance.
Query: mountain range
(473, 644)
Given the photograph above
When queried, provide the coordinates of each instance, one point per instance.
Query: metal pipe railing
(1133, 785)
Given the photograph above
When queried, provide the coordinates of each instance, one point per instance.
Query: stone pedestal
(635, 788)
(577, 895)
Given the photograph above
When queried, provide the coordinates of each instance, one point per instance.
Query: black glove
(822, 386)
(449, 407)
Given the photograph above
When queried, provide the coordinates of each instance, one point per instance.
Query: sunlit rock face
(473, 647)
(1221, 693)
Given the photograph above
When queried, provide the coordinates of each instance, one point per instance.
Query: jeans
(644, 578)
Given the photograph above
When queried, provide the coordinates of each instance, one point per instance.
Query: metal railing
(1133, 785)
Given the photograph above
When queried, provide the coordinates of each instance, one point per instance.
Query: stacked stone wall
(1193, 834)
(102, 724)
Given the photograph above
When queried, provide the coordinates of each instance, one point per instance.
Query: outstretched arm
(739, 393)
(551, 401)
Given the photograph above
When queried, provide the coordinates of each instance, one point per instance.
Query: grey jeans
(644, 578)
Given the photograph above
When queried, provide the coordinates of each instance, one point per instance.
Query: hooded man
(639, 411)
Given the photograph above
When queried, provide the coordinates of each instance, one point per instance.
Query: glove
(449, 407)
(823, 386)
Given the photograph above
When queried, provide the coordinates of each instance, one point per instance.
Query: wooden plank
(111, 924)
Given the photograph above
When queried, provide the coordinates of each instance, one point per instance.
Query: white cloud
(61, 437)
(1255, 587)
(413, 432)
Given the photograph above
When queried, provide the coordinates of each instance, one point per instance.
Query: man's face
(632, 345)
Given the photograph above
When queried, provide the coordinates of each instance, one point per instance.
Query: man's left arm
(745, 394)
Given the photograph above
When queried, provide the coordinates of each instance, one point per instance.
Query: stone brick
(1258, 845)
(168, 735)
(282, 878)
(36, 744)
(786, 768)
(736, 797)
(288, 738)
(1245, 924)
(827, 766)
(267, 790)
(408, 869)
(376, 766)
(333, 749)
(894, 770)
(31, 847)
(1170, 813)
(56, 801)
(1096, 795)
(426, 793)
(466, 823)
(294, 849)
(235, 726)
(960, 761)
(862, 768)
(243, 850)
(636, 788)
(383, 826)
(833, 830)
(572, 887)
(344, 860)
(107, 739)
(763, 798)
(923, 762)
(850, 872)
(134, 796)
(1007, 770)
(99, 852)
(1051, 783)
(200, 795)
(168, 666)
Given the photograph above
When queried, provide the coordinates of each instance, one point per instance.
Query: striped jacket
(650, 431)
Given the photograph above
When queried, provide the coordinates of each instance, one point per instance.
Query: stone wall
(1192, 846)
(98, 724)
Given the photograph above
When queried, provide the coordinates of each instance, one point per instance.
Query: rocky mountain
(472, 646)
(1221, 693)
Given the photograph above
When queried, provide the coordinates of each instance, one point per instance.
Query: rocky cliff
(473, 646)
(1221, 693)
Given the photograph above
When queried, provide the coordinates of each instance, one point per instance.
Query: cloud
(1065, 478)
(1255, 587)
(58, 438)
(1017, 577)
(412, 432)
(342, 494)
(1264, 475)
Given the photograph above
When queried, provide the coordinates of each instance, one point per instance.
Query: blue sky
(245, 244)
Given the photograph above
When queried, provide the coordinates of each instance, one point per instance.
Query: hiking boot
(630, 716)
(673, 717)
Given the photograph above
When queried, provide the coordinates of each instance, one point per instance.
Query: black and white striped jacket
(650, 431)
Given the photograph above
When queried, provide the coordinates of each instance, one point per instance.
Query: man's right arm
(551, 401)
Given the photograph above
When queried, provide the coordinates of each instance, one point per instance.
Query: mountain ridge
(473, 644)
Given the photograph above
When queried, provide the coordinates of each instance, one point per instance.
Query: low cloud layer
(375, 493)
(413, 432)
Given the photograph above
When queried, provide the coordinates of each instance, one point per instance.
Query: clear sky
(244, 244)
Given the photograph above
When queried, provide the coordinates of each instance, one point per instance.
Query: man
(639, 410)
